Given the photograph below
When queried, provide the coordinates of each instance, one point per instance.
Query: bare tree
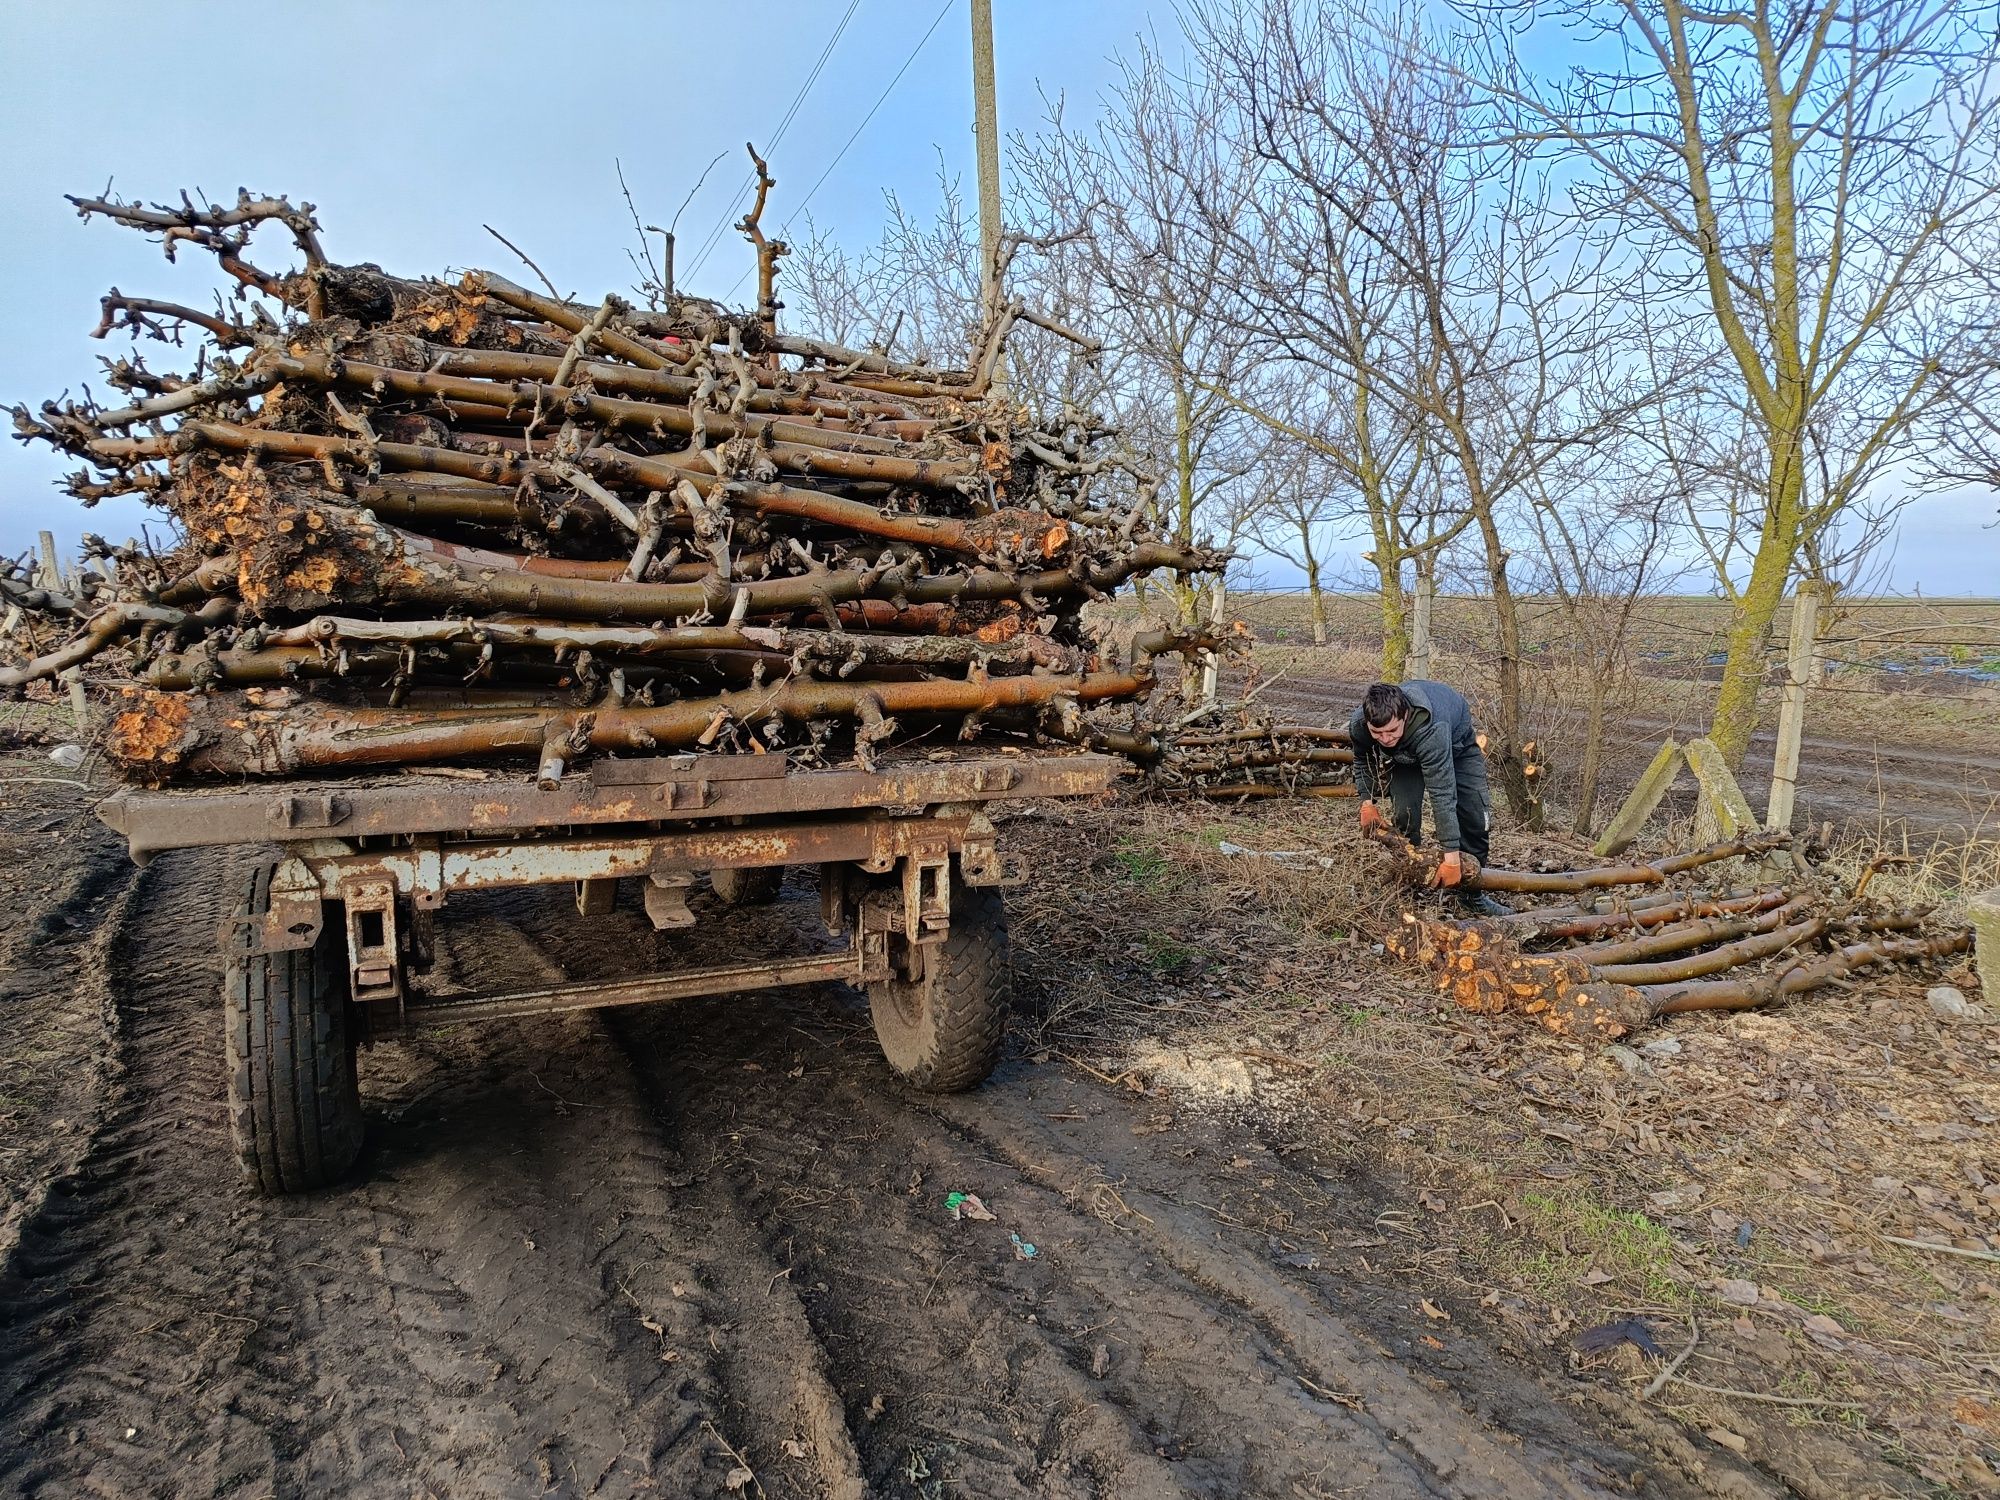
(1119, 201)
(1602, 531)
(1307, 493)
(1807, 176)
(1478, 320)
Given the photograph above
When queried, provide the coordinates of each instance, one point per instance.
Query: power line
(857, 132)
(777, 135)
(715, 232)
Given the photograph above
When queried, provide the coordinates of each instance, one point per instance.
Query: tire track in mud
(1222, 1384)
(491, 1309)
(1135, 1353)
(57, 1011)
(586, 1253)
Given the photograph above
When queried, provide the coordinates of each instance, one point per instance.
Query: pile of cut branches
(1604, 965)
(1248, 761)
(428, 520)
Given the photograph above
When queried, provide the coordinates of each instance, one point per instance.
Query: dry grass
(1564, 1184)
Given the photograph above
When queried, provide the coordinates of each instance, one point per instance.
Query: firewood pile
(1246, 761)
(1604, 965)
(449, 520)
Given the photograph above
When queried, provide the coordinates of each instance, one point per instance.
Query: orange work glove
(1451, 869)
(1371, 817)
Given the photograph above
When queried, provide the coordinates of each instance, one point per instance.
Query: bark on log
(1748, 994)
(1481, 967)
(1420, 867)
(1715, 960)
(1676, 937)
(1635, 912)
(486, 522)
(165, 734)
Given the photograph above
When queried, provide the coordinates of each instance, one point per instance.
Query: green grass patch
(1142, 863)
(1563, 1237)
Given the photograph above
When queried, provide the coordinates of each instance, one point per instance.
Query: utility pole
(986, 139)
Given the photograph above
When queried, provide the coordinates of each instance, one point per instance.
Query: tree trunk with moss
(1756, 607)
(1598, 690)
(1395, 615)
(1313, 590)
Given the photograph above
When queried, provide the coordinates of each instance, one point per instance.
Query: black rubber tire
(942, 1034)
(294, 1101)
(751, 887)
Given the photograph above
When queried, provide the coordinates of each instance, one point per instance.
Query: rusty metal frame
(374, 886)
(391, 854)
(850, 965)
(434, 866)
(654, 790)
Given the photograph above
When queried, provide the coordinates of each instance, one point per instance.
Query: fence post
(51, 563)
(1806, 601)
(1211, 662)
(1646, 795)
(1418, 663)
(1722, 811)
(1984, 910)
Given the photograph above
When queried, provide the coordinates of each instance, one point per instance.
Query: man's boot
(1481, 904)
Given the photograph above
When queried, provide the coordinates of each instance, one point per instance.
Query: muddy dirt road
(644, 1253)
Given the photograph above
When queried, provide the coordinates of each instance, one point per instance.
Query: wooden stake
(1984, 911)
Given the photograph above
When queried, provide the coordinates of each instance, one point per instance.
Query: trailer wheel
(294, 1104)
(757, 886)
(942, 1033)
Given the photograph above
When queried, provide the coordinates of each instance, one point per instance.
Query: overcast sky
(410, 126)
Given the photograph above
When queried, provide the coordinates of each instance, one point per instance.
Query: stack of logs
(1604, 965)
(431, 521)
(1254, 761)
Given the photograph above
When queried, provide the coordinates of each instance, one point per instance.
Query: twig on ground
(1766, 1396)
(1896, 1239)
(1338, 1398)
(734, 1452)
(1659, 1381)
(1102, 1077)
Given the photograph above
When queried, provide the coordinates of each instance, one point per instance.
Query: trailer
(325, 945)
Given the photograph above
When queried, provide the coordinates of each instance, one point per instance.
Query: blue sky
(410, 126)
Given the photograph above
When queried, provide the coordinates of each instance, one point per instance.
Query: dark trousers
(1406, 801)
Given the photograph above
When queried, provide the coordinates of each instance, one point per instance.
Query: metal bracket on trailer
(374, 950)
(667, 902)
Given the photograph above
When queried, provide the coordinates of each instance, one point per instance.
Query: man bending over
(1418, 738)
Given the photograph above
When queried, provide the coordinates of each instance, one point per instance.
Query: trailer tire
(942, 1033)
(289, 1041)
(757, 886)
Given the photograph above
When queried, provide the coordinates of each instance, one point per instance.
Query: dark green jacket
(1438, 730)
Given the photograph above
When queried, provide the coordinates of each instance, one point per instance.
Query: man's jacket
(1438, 730)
